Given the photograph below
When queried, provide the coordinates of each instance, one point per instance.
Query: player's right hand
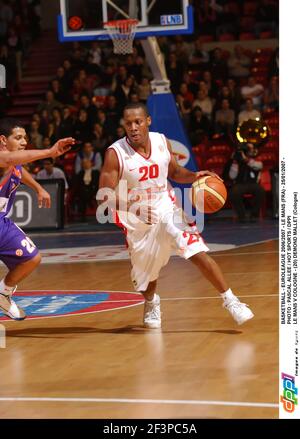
(62, 146)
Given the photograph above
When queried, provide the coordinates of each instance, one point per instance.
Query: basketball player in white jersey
(142, 162)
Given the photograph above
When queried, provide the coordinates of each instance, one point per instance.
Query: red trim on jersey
(118, 223)
(6, 179)
(120, 161)
(146, 158)
(171, 196)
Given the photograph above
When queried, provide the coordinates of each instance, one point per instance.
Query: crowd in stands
(214, 89)
(19, 26)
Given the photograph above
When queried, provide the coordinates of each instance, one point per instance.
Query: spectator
(185, 93)
(46, 143)
(82, 127)
(124, 90)
(175, 72)
(49, 104)
(96, 53)
(239, 63)
(56, 120)
(271, 96)
(254, 91)
(218, 66)
(120, 77)
(225, 118)
(59, 93)
(113, 110)
(66, 126)
(200, 126)
(235, 94)
(205, 103)
(144, 89)
(99, 141)
(199, 57)
(108, 126)
(181, 49)
(92, 68)
(50, 172)
(89, 153)
(87, 186)
(244, 171)
(249, 113)
(120, 132)
(85, 104)
(212, 87)
(192, 84)
(35, 136)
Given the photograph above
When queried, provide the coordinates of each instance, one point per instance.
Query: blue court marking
(51, 304)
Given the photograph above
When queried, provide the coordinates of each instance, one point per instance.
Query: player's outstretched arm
(44, 199)
(13, 158)
(182, 175)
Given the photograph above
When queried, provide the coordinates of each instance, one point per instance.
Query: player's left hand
(44, 199)
(204, 173)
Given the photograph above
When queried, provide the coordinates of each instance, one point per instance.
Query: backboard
(83, 19)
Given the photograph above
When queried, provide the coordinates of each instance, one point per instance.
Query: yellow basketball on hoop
(208, 194)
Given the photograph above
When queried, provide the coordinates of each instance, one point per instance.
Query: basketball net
(122, 33)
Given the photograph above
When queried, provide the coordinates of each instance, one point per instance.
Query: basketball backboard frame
(173, 24)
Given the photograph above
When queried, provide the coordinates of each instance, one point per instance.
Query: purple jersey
(15, 246)
(8, 189)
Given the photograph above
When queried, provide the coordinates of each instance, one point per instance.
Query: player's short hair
(135, 105)
(7, 125)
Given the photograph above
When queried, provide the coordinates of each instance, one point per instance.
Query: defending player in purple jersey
(17, 251)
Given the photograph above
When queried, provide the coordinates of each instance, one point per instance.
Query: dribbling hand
(204, 173)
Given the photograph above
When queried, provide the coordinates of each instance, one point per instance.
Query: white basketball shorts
(151, 249)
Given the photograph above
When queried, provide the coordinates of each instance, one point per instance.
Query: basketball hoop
(122, 33)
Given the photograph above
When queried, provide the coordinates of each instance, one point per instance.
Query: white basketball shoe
(239, 311)
(152, 314)
(9, 307)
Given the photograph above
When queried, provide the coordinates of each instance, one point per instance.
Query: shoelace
(152, 311)
(235, 305)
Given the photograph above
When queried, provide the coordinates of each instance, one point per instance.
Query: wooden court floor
(105, 365)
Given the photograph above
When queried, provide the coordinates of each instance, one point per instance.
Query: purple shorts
(15, 246)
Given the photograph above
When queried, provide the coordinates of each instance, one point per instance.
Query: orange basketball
(75, 22)
(208, 194)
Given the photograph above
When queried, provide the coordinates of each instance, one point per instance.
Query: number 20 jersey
(145, 174)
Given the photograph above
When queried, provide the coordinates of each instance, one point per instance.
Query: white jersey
(150, 246)
(144, 175)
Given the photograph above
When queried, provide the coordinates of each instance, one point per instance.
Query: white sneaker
(152, 315)
(239, 311)
(10, 308)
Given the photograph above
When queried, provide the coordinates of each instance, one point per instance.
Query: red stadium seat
(216, 164)
(250, 8)
(206, 38)
(219, 150)
(226, 37)
(269, 159)
(246, 36)
(266, 35)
